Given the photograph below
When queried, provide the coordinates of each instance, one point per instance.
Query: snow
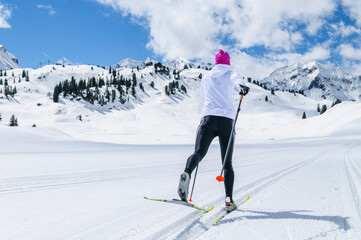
(71, 179)
(130, 63)
(53, 186)
(316, 80)
(7, 59)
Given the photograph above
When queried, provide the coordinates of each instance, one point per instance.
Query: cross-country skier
(217, 119)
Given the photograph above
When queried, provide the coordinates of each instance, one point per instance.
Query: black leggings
(209, 128)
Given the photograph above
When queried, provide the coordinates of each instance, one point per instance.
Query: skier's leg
(205, 135)
(225, 132)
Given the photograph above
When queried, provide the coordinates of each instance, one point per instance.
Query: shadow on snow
(341, 222)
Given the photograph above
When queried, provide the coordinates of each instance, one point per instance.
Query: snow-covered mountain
(316, 81)
(155, 101)
(180, 63)
(130, 63)
(7, 60)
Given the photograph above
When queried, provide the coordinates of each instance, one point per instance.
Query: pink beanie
(222, 58)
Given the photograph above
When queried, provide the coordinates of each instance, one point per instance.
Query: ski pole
(220, 178)
(194, 180)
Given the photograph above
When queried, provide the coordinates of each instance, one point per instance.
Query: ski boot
(183, 186)
(230, 205)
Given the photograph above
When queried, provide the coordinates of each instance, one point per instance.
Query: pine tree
(318, 108)
(107, 94)
(304, 115)
(323, 109)
(273, 92)
(152, 84)
(134, 79)
(121, 90)
(114, 94)
(1, 118)
(141, 86)
(200, 76)
(183, 88)
(134, 92)
(266, 99)
(56, 94)
(336, 102)
(13, 121)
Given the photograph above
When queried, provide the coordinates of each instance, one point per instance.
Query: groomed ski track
(299, 189)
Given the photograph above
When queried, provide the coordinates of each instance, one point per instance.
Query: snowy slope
(316, 80)
(55, 187)
(152, 116)
(7, 60)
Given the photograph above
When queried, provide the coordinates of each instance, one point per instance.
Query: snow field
(57, 187)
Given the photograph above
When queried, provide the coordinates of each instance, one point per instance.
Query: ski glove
(244, 90)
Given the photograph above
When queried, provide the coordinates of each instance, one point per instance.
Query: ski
(224, 214)
(180, 202)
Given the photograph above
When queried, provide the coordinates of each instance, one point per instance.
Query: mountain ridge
(315, 80)
(7, 60)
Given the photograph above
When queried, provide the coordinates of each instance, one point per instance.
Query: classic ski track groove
(354, 177)
(38, 183)
(175, 229)
(95, 232)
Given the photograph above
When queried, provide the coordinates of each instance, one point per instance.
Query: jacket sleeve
(237, 80)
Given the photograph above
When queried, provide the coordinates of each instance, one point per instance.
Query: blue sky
(80, 31)
(260, 35)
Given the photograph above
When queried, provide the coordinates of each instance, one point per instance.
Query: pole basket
(220, 178)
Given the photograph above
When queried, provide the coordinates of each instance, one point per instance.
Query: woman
(217, 119)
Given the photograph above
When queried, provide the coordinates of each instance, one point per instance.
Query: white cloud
(64, 61)
(344, 30)
(354, 9)
(254, 67)
(355, 68)
(193, 29)
(317, 53)
(5, 14)
(349, 52)
(47, 7)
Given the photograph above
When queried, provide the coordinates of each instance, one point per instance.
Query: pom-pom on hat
(222, 58)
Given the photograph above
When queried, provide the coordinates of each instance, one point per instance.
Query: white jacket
(217, 89)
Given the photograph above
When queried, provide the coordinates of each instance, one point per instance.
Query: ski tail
(180, 202)
(225, 213)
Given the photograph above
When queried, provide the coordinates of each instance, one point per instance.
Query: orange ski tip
(220, 178)
(190, 200)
